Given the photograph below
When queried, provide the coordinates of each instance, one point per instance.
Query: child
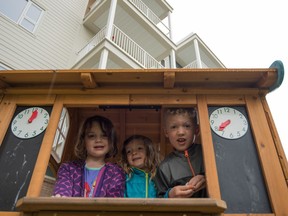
(139, 160)
(181, 173)
(90, 175)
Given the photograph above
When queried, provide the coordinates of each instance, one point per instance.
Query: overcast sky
(242, 34)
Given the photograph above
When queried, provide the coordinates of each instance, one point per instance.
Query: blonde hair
(152, 156)
(191, 112)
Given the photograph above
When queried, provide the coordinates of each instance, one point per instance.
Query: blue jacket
(139, 185)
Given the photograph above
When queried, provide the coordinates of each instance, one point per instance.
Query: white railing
(126, 44)
(151, 16)
(194, 65)
(97, 2)
(132, 49)
(92, 43)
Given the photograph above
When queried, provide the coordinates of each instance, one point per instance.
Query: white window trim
(24, 16)
(58, 148)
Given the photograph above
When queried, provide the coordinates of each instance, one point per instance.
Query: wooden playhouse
(246, 174)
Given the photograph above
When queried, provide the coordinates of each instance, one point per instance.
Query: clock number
(14, 128)
(34, 133)
(226, 109)
(20, 116)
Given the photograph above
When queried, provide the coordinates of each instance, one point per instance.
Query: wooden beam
(120, 206)
(272, 170)
(88, 80)
(211, 174)
(7, 109)
(169, 79)
(42, 162)
(3, 84)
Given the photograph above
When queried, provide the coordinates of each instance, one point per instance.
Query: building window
(23, 12)
(61, 136)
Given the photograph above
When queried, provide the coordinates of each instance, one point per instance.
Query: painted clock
(30, 122)
(228, 123)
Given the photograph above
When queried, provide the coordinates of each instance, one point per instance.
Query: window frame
(24, 16)
(61, 136)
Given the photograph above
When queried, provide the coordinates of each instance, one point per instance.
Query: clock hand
(33, 116)
(224, 125)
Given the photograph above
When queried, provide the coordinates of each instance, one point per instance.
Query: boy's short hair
(191, 112)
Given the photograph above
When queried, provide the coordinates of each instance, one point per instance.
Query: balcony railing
(151, 16)
(195, 65)
(92, 43)
(126, 44)
(132, 49)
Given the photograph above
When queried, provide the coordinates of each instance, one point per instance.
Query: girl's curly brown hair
(107, 128)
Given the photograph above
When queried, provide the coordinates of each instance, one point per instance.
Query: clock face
(30, 122)
(228, 123)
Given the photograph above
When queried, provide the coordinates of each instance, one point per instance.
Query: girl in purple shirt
(90, 175)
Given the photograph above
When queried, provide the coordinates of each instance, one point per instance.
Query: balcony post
(172, 59)
(111, 17)
(109, 29)
(170, 27)
(197, 52)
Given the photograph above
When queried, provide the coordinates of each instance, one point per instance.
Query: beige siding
(53, 45)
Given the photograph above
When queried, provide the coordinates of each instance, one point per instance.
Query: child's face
(96, 142)
(136, 154)
(179, 129)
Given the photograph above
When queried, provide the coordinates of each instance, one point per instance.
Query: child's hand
(197, 183)
(58, 195)
(181, 191)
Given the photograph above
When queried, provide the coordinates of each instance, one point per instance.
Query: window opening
(61, 136)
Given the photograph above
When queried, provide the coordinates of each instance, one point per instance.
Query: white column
(103, 59)
(111, 17)
(173, 59)
(170, 26)
(172, 53)
(109, 30)
(197, 52)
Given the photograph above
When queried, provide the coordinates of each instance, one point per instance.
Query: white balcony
(142, 21)
(123, 43)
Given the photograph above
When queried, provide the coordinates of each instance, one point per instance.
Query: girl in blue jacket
(139, 161)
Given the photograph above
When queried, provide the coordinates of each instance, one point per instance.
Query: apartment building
(103, 34)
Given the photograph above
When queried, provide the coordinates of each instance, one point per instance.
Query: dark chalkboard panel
(240, 176)
(17, 161)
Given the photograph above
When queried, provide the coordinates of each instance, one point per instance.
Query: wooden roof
(266, 79)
